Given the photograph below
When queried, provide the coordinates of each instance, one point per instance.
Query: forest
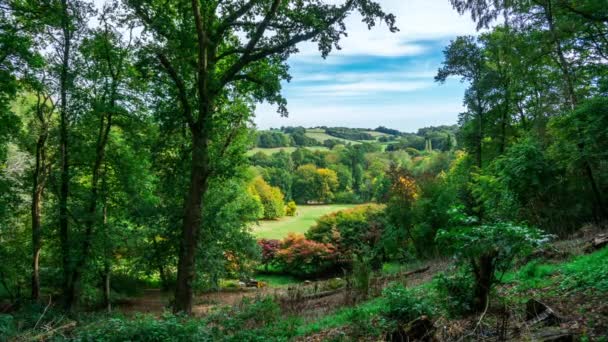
(140, 202)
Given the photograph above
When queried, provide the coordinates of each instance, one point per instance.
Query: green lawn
(305, 218)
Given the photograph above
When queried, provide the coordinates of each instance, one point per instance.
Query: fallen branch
(407, 274)
(50, 333)
(43, 312)
(483, 314)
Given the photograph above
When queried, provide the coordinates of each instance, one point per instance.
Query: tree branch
(230, 19)
(265, 52)
(181, 88)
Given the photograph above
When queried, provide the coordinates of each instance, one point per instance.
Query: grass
(270, 151)
(305, 218)
(322, 136)
(377, 134)
(581, 273)
(277, 280)
(342, 317)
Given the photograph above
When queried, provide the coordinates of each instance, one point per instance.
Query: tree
(213, 65)
(305, 184)
(271, 197)
(488, 249)
(328, 184)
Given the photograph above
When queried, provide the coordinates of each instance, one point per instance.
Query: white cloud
(405, 117)
(367, 88)
(416, 19)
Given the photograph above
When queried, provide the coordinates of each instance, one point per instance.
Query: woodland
(134, 183)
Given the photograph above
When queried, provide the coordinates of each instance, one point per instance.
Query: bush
(291, 208)
(403, 306)
(269, 247)
(302, 258)
(352, 231)
(488, 249)
(145, 329)
(7, 326)
(361, 324)
(253, 320)
(347, 197)
(455, 292)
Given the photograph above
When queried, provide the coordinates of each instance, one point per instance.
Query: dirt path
(154, 301)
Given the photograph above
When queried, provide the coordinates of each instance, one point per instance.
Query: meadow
(304, 219)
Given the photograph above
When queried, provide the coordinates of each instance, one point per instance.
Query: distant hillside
(290, 138)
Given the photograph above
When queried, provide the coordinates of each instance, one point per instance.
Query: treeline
(440, 138)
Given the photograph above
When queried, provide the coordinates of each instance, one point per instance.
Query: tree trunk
(107, 268)
(484, 277)
(598, 201)
(64, 149)
(37, 190)
(186, 269)
(36, 233)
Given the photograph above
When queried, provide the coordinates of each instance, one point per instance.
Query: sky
(379, 78)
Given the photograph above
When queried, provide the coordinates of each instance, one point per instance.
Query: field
(321, 136)
(305, 218)
(270, 151)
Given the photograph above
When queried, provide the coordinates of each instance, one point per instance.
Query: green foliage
(271, 139)
(348, 133)
(455, 291)
(352, 231)
(271, 198)
(312, 184)
(145, 328)
(487, 249)
(503, 241)
(404, 305)
(586, 273)
(291, 208)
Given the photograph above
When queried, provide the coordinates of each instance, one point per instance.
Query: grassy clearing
(377, 134)
(322, 136)
(304, 219)
(270, 151)
(277, 280)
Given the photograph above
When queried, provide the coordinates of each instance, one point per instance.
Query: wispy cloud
(378, 78)
(362, 88)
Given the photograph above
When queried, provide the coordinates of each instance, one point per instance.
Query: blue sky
(378, 78)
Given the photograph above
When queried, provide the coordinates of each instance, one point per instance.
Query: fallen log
(538, 312)
(598, 242)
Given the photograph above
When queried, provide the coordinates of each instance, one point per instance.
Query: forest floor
(564, 276)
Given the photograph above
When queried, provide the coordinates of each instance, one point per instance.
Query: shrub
(269, 250)
(291, 208)
(455, 290)
(361, 324)
(302, 257)
(488, 249)
(352, 231)
(145, 329)
(7, 326)
(347, 197)
(245, 322)
(403, 306)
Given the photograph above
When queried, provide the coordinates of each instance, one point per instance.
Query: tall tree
(198, 48)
